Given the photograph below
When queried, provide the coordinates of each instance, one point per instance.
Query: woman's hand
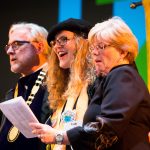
(45, 132)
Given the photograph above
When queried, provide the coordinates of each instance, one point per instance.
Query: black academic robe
(121, 101)
(39, 107)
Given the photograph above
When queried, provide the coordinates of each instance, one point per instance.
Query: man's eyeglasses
(99, 47)
(15, 45)
(61, 41)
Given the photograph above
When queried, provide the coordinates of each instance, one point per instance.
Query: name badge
(69, 121)
(70, 125)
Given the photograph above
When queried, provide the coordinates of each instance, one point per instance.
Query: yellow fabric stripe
(146, 4)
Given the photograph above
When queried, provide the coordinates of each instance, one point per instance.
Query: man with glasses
(27, 49)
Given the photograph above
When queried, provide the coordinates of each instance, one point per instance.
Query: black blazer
(121, 101)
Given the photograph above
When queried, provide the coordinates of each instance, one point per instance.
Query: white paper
(19, 114)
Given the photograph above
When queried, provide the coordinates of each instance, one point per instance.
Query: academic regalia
(40, 108)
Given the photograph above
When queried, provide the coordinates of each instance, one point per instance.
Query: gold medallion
(13, 134)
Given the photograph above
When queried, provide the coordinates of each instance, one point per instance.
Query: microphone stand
(135, 4)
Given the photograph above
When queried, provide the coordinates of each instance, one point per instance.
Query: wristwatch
(59, 138)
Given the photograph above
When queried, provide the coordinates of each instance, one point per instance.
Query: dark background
(44, 13)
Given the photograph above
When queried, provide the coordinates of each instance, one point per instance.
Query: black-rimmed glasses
(15, 45)
(99, 47)
(61, 41)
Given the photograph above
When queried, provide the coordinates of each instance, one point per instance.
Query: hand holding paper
(19, 114)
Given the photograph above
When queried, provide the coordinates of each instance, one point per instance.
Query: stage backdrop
(49, 12)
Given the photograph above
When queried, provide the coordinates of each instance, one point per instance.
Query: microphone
(135, 4)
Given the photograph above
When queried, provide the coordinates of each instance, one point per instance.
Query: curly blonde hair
(63, 83)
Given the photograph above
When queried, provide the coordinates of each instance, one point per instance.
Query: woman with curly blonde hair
(70, 73)
(63, 83)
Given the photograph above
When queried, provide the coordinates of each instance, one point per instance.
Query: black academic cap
(79, 26)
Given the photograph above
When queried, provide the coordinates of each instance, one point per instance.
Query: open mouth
(13, 59)
(97, 61)
(61, 54)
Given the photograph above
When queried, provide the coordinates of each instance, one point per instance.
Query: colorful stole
(81, 106)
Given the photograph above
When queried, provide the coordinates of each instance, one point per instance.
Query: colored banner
(99, 2)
